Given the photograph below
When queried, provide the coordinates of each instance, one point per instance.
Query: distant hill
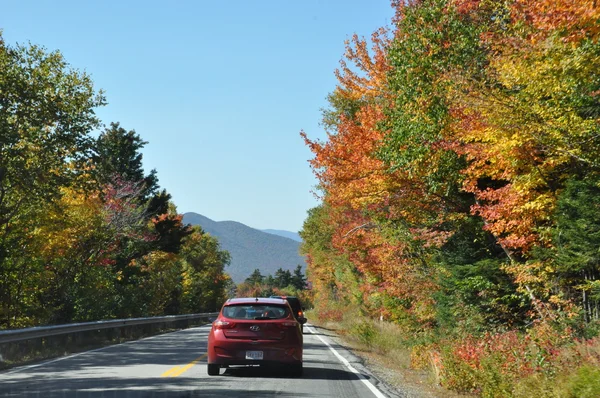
(287, 234)
(249, 247)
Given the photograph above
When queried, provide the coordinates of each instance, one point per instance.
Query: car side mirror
(302, 320)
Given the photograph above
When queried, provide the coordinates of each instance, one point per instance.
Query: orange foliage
(346, 166)
(465, 6)
(574, 19)
(494, 156)
(369, 81)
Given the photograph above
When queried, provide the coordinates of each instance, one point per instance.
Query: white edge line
(27, 367)
(343, 360)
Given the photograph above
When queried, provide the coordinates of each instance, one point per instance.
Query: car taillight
(299, 313)
(223, 325)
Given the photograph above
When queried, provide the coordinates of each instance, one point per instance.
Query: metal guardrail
(17, 335)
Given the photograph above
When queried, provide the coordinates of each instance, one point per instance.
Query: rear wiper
(262, 318)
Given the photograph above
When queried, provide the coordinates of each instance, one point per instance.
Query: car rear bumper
(235, 354)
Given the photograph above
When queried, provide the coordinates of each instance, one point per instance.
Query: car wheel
(297, 370)
(213, 369)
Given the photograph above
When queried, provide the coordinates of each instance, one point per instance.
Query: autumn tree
(204, 278)
(46, 116)
(527, 128)
(118, 160)
(373, 208)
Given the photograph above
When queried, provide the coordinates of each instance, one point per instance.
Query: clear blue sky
(219, 89)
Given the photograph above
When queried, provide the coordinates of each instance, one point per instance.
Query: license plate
(254, 355)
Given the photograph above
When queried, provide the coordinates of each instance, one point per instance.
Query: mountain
(287, 234)
(250, 248)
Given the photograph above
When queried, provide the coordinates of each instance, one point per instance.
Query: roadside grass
(535, 364)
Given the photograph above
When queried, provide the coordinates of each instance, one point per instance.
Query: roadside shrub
(587, 351)
(539, 385)
(365, 332)
(542, 362)
(585, 382)
(456, 374)
(331, 315)
(491, 365)
(493, 380)
(420, 356)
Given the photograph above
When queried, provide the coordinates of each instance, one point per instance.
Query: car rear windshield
(255, 311)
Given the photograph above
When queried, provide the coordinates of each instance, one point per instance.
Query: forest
(460, 188)
(85, 234)
(281, 283)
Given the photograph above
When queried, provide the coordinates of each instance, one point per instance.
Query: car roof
(255, 300)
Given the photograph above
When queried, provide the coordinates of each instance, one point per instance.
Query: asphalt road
(174, 365)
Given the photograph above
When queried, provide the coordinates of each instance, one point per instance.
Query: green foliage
(364, 332)
(94, 295)
(327, 269)
(476, 293)
(434, 42)
(84, 232)
(577, 234)
(46, 117)
(118, 155)
(298, 280)
(585, 382)
(316, 231)
(204, 282)
(282, 278)
(574, 254)
(255, 278)
(478, 297)
(283, 283)
(339, 106)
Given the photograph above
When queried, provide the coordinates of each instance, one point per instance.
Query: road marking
(178, 370)
(343, 360)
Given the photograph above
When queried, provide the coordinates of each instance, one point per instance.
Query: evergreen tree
(298, 279)
(282, 278)
(255, 278)
(118, 156)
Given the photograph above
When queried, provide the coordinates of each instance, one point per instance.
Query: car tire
(297, 370)
(213, 369)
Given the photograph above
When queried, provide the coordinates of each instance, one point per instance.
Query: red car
(255, 331)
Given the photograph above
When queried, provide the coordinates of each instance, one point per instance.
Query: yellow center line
(168, 372)
(178, 370)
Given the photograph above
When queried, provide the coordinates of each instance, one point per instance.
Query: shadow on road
(310, 373)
